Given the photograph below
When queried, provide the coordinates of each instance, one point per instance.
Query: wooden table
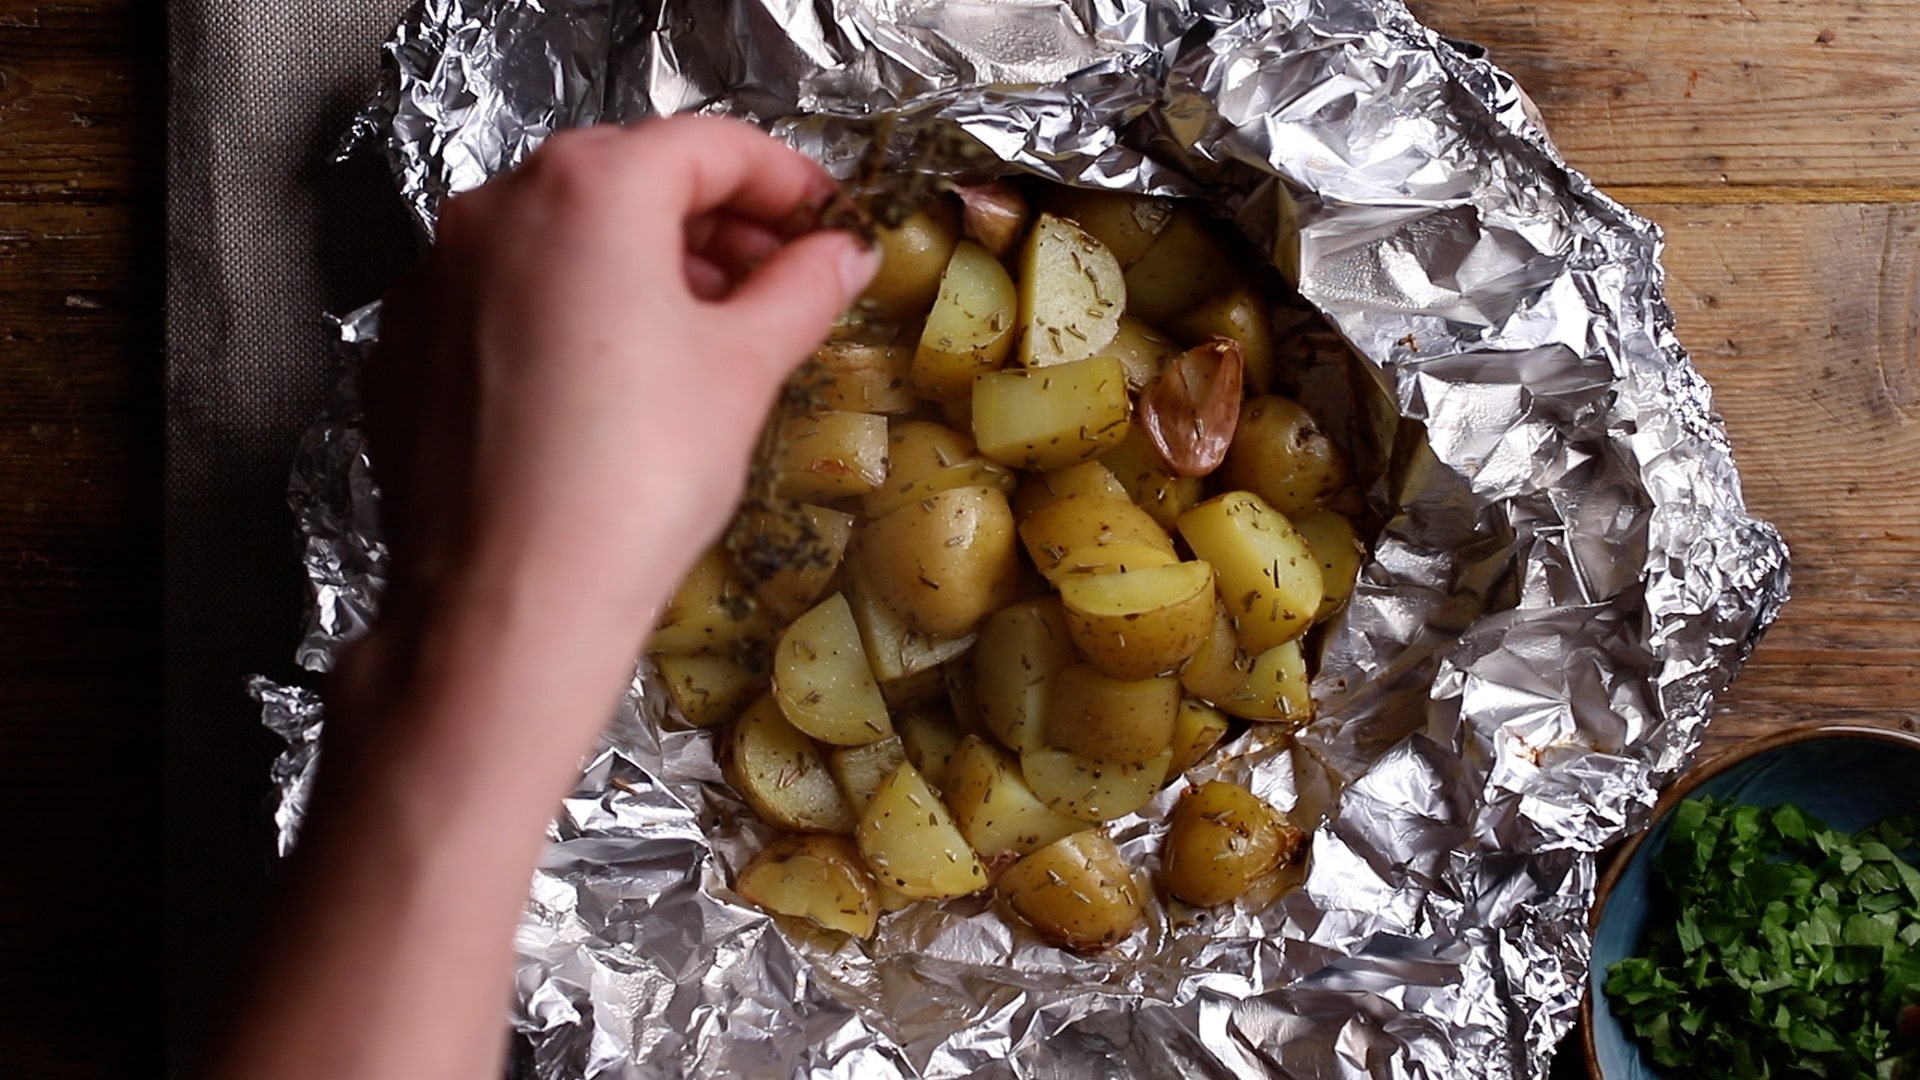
(1778, 141)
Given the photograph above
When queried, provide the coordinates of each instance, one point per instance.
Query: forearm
(394, 958)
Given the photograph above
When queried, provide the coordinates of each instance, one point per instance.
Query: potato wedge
(821, 878)
(1077, 892)
(860, 770)
(778, 771)
(797, 548)
(1149, 483)
(1022, 649)
(1281, 454)
(1239, 315)
(1220, 667)
(1268, 579)
(1141, 350)
(822, 680)
(896, 650)
(913, 256)
(1276, 689)
(709, 690)
(993, 807)
(1053, 417)
(1056, 530)
(830, 455)
(946, 562)
(1092, 790)
(1072, 294)
(1126, 223)
(929, 737)
(1220, 840)
(910, 842)
(1112, 721)
(1197, 729)
(711, 612)
(1141, 621)
(1329, 535)
(970, 329)
(865, 378)
(1089, 479)
(1187, 263)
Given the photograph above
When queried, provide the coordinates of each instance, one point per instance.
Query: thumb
(787, 305)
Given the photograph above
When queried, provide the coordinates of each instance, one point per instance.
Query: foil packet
(1565, 578)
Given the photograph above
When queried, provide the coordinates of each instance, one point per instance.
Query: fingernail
(858, 264)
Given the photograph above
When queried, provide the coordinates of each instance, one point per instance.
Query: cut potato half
(821, 878)
(1051, 418)
(1072, 294)
(1220, 840)
(822, 679)
(1268, 579)
(1092, 790)
(910, 842)
(993, 806)
(1141, 621)
(1077, 892)
(970, 329)
(1022, 649)
(779, 772)
(709, 690)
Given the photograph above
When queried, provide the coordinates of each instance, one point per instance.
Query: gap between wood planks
(1727, 194)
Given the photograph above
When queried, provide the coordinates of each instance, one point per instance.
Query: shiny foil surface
(1566, 576)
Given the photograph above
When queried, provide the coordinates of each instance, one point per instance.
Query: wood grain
(1713, 92)
(1806, 320)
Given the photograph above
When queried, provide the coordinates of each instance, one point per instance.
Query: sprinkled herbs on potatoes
(1030, 538)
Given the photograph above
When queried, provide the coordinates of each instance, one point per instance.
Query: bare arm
(562, 411)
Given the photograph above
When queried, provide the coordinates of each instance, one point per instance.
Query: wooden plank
(68, 116)
(1713, 92)
(1806, 319)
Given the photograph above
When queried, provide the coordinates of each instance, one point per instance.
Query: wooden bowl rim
(1680, 789)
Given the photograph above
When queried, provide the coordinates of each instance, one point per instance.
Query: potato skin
(779, 772)
(946, 562)
(1281, 454)
(1141, 621)
(821, 878)
(913, 256)
(1330, 536)
(1197, 729)
(1058, 529)
(1219, 668)
(1077, 892)
(1116, 721)
(1220, 840)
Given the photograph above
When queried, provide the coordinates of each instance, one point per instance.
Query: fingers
(734, 245)
(786, 307)
(732, 164)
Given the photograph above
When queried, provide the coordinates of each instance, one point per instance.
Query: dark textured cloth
(264, 235)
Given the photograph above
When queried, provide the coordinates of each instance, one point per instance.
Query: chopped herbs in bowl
(1768, 925)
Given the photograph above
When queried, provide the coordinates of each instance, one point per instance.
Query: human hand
(563, 404)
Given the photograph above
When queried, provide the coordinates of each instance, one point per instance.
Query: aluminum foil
(1565, 578)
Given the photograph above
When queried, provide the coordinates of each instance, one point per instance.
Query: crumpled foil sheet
(1566, 576)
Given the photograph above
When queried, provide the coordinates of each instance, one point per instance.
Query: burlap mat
(264, 235)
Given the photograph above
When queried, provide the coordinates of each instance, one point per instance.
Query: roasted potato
(1197, 729)
(910, 842)
(1220, 840)
(830, 455)
(913, 256)
(993, 807)
(1072, 294)
(925, 458)
(821, 878)
(1220, 667)
(1116, 558)
(822, 680)
(857, 376)
(860, 770)
(1089, 479)
(1281, 454)
(711, 612)
(1052, 417)
(970, 329)
(1022, 649)
(896, 650)
(1054, 531)
(709, 690)
(1276, 689)
(1126, 223)
(1142, 620)
(793, 584)
(1241, 316)
(946, 562)
(778, 771)
(1147, 480)
(1141, 350)
(1268, 579)
(1187, 263)
(1077, 892)
(1329, 535)
(1092, 790)
(1108, 720)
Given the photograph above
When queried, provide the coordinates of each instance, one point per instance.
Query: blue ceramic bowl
(1849, 777)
